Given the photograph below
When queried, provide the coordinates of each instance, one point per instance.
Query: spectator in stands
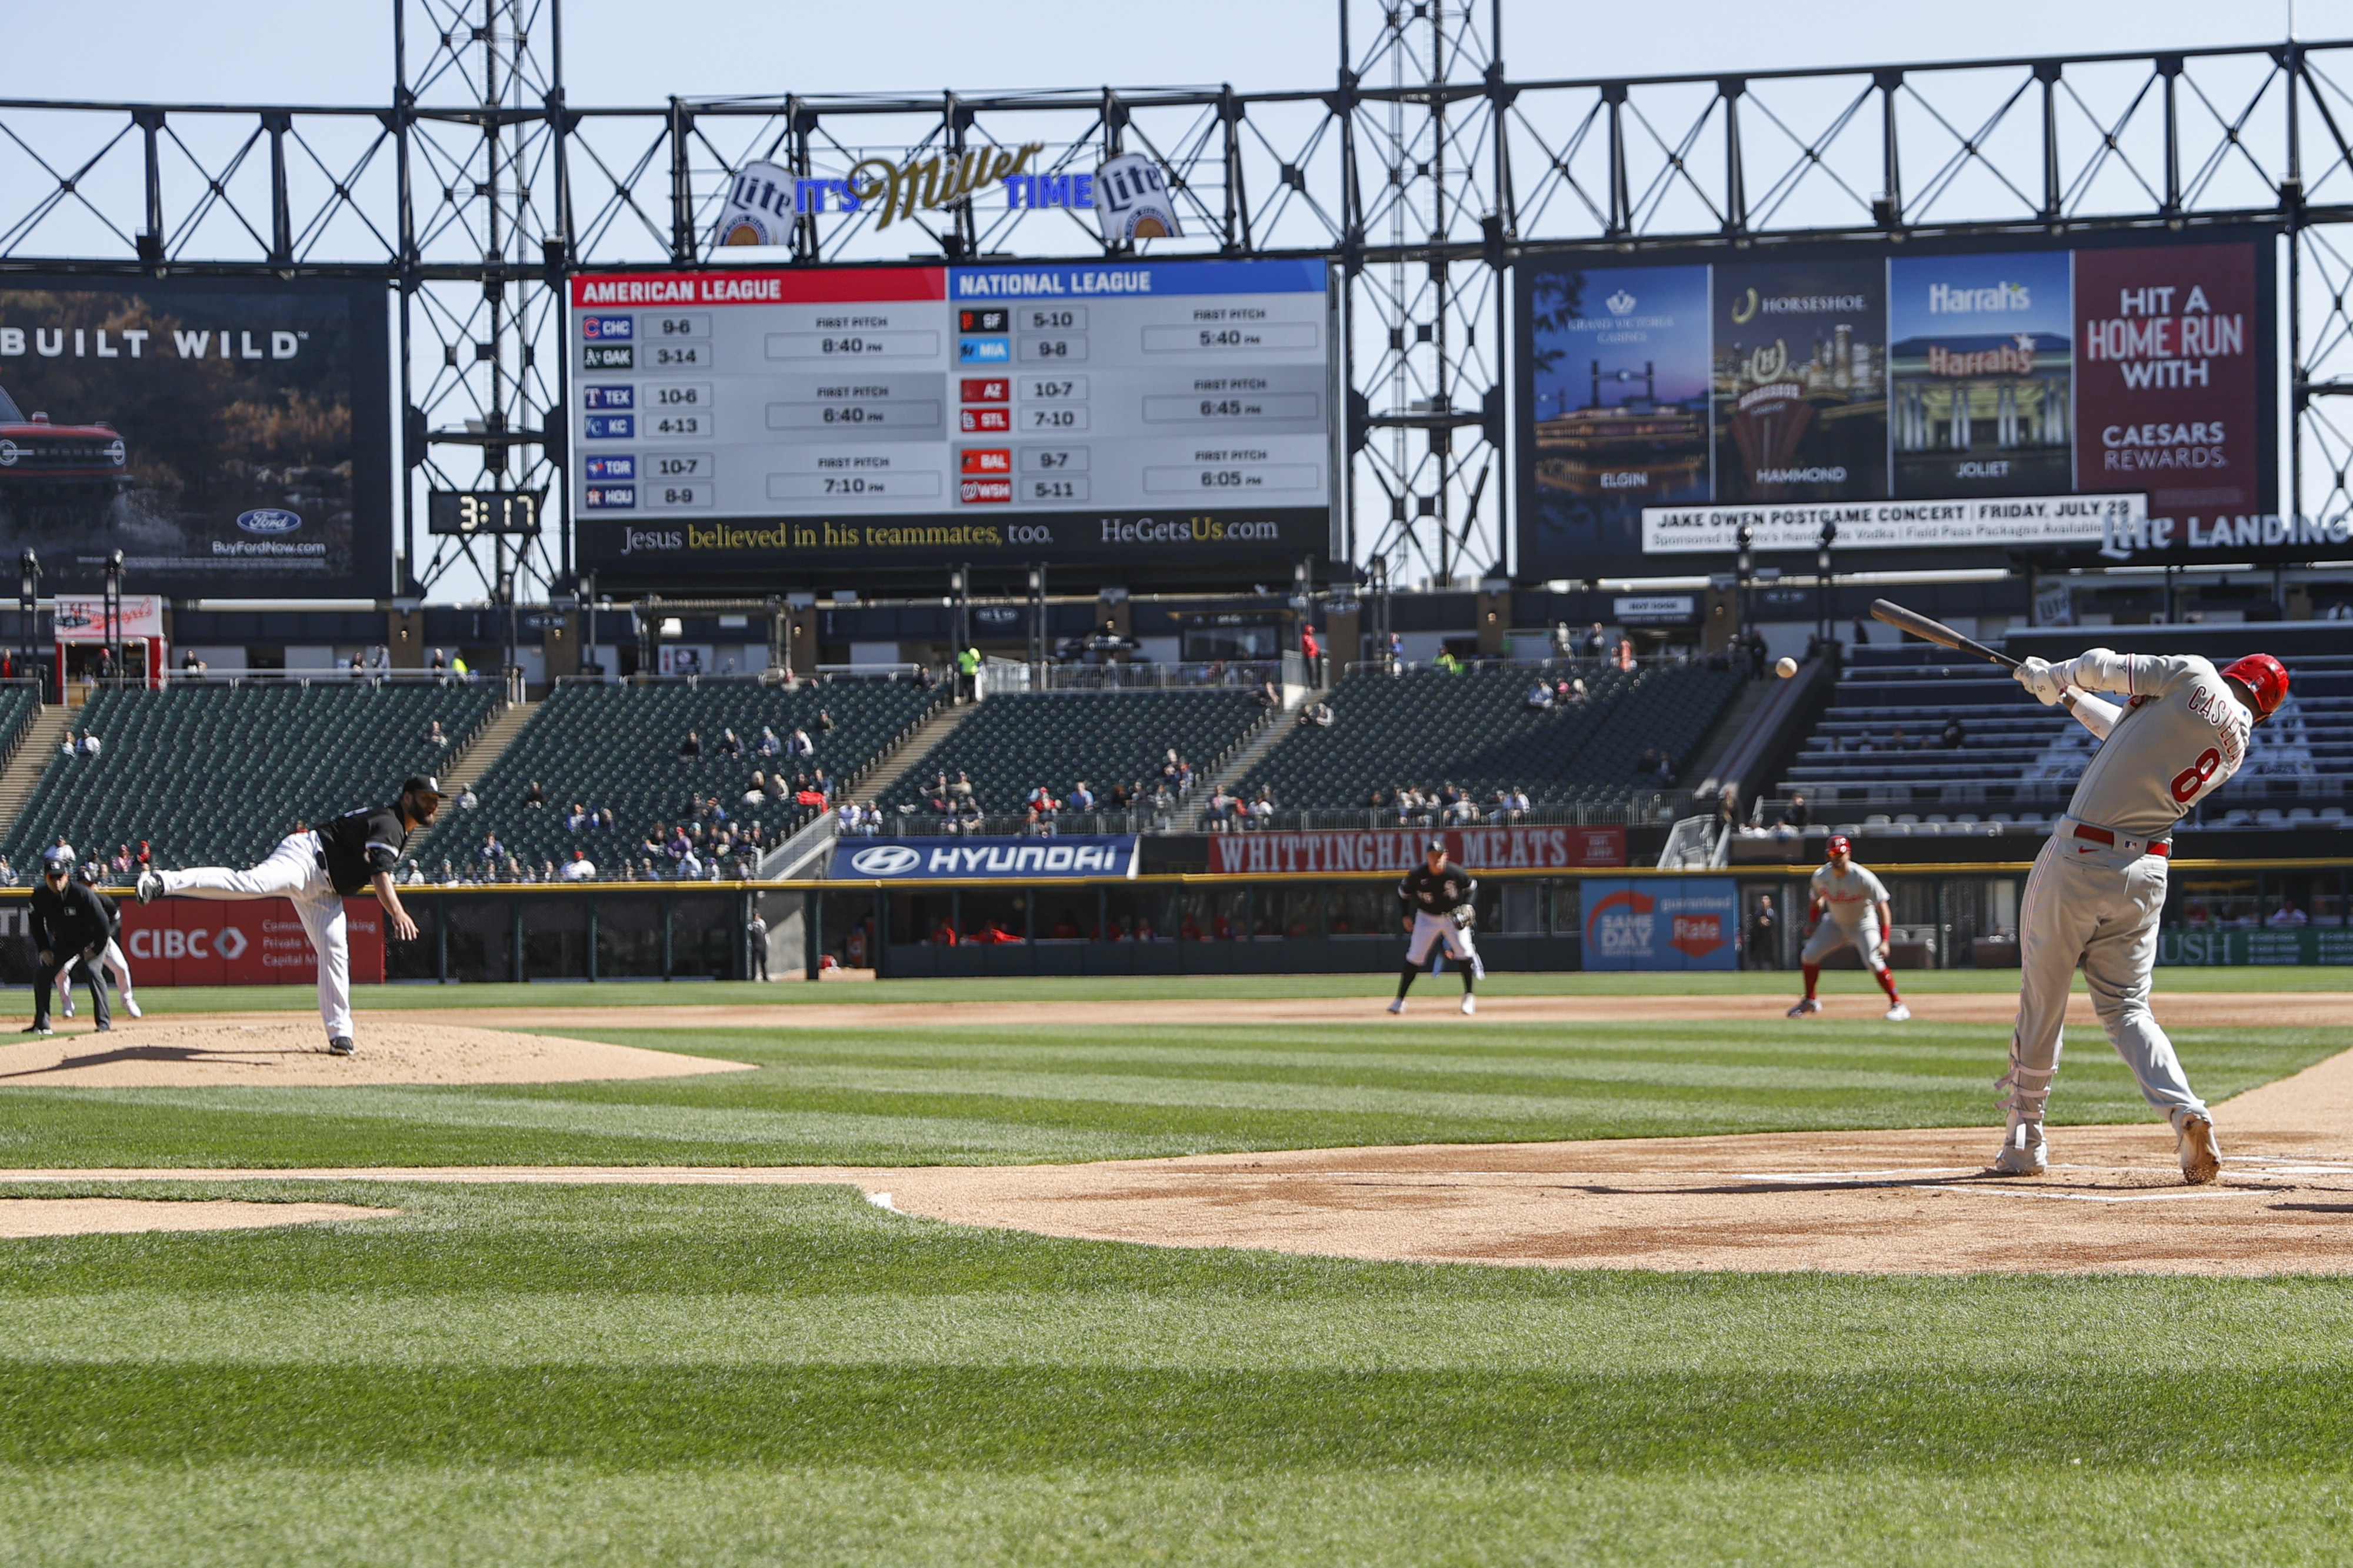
(358, 667)
(577, 819)
(1728, 810)
(491, 851)
(1861, 632)
(604, 817)
(767, 745)
(1576, 693)
(434, 735)
(1448, 662)
(969, 675)
(90, 743)
(1625, 651)
(1221, 809)
(1754, 638)
(459, 672)
(808, 794)
(1954, 735)
(799, 745)
(1813, 647)
(1900, 742)
(689, 865)
(822, 784)
(1797, 813)
(756, 791)
(579, 869)
(824, 720)
(2286, 915)
(849, 817)
(924, 680)
(1262, 808)
(729, 746)
(1539, 699)
(121, 864)
(691, 749)
(532, 796)
(774, 788)
(466, 799)
(440, 666)
(510, 871)
(1596, 645)
(189, 663)
(962, 789)
(1082, 799)
(1318, 714)
(8, 878)
(1397, 657)
(448, 875)
(1269, 695)
(1313, 653)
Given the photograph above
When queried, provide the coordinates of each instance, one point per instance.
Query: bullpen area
(1232, 1269)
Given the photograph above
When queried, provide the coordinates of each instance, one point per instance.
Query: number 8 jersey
(2177, 740)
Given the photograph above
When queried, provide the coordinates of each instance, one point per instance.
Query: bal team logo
(885, 860)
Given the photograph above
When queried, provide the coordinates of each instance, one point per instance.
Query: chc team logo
(269, 521)
(885, 860)
(608, 329)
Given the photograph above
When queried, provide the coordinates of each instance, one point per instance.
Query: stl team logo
(1622, 303)
(885, 860)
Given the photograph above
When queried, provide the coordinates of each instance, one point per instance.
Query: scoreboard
(773, 422)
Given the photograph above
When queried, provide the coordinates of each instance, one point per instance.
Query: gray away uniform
(2099, 883)
(1849, 914)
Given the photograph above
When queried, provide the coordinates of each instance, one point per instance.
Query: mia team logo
(1133, 201)
(269, 521)
(885, 860)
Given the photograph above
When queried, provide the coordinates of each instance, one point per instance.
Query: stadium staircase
(1272, 731)
(36, 736)
(893, 766)
(1705, 773)
(487, 748)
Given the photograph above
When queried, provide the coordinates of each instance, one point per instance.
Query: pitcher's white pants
(112, 960)
(2099, 905)
(292, 872)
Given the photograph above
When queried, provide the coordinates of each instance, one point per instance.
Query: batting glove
(2048, 681)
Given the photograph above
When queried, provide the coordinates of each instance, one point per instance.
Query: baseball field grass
(619, 1374)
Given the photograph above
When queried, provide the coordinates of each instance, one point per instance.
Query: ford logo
(885, 860)
(268, 519)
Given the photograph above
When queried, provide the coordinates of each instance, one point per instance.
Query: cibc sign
(193, 942)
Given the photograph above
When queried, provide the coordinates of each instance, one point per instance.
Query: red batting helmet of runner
(2265, 680)
(1839, 844)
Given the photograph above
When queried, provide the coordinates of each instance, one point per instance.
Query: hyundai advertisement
(230, 438)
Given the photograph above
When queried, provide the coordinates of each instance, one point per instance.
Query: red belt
(2156, 847)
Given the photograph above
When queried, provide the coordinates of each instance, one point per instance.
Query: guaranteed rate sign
(779, 423)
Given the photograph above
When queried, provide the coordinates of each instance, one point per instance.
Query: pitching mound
(21, 1217)
(281, 1048)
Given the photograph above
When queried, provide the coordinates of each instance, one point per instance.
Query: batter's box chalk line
(882, 1201)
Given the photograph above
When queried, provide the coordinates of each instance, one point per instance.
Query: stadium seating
(616, 747)
(1877, 751)
(1420, 728)
(1018, 742)
(216, 773)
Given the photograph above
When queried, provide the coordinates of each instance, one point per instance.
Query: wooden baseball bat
(1920, 626)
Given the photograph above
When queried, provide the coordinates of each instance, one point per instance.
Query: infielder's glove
(1462, 915)
(2048, 681)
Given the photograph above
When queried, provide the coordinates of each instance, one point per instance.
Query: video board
(1943, 405)
(231, 439)
(766, 425)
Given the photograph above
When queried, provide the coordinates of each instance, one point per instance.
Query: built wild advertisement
(1942, 405)
(230, 438)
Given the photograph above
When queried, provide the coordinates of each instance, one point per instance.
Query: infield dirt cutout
(1865, 1202)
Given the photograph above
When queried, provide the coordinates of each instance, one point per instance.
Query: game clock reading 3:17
(1106, 410)
(467, 512)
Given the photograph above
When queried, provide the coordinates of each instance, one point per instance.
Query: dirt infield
(182, 1051)
(1434, 1003)
(23, 1217)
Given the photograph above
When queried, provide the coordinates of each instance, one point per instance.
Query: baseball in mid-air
(1787, 667)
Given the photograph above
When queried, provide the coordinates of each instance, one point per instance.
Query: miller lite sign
(1133, 201)
(759, 209)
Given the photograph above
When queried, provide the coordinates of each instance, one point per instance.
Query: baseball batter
(1437, 899)
(111, 962)
(1849, 905)
(318, 870)
(2099, 884)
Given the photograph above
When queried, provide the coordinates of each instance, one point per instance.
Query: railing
(823, 675)
(1000, 675)
(1185, 815)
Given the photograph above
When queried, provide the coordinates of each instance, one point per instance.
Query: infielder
(1849, 905)
(318, 870)
(2099, 884)
(111, 962)
(1437, 899)
(68, 921)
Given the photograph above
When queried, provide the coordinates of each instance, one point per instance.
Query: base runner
(2098, 886)
(1849, 905)
(317, 869)
(1437, 899)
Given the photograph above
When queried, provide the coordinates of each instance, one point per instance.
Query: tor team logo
(885, 860)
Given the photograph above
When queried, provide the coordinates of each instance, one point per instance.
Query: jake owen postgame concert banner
(230, 438)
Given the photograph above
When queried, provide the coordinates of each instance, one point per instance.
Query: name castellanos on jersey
(2220, 710)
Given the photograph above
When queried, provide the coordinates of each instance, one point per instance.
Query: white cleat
(1470, 1004)
(1398, 1006)
(2023, 1153)
(150, 886)
(1808, 1006)
(65, 1011)
(132, 1008)
(2201, 1158)
(1899, 1014)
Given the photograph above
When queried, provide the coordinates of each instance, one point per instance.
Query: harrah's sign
(1479, 848)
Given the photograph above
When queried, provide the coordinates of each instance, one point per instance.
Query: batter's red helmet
(2265, 680)
(1839, 844)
